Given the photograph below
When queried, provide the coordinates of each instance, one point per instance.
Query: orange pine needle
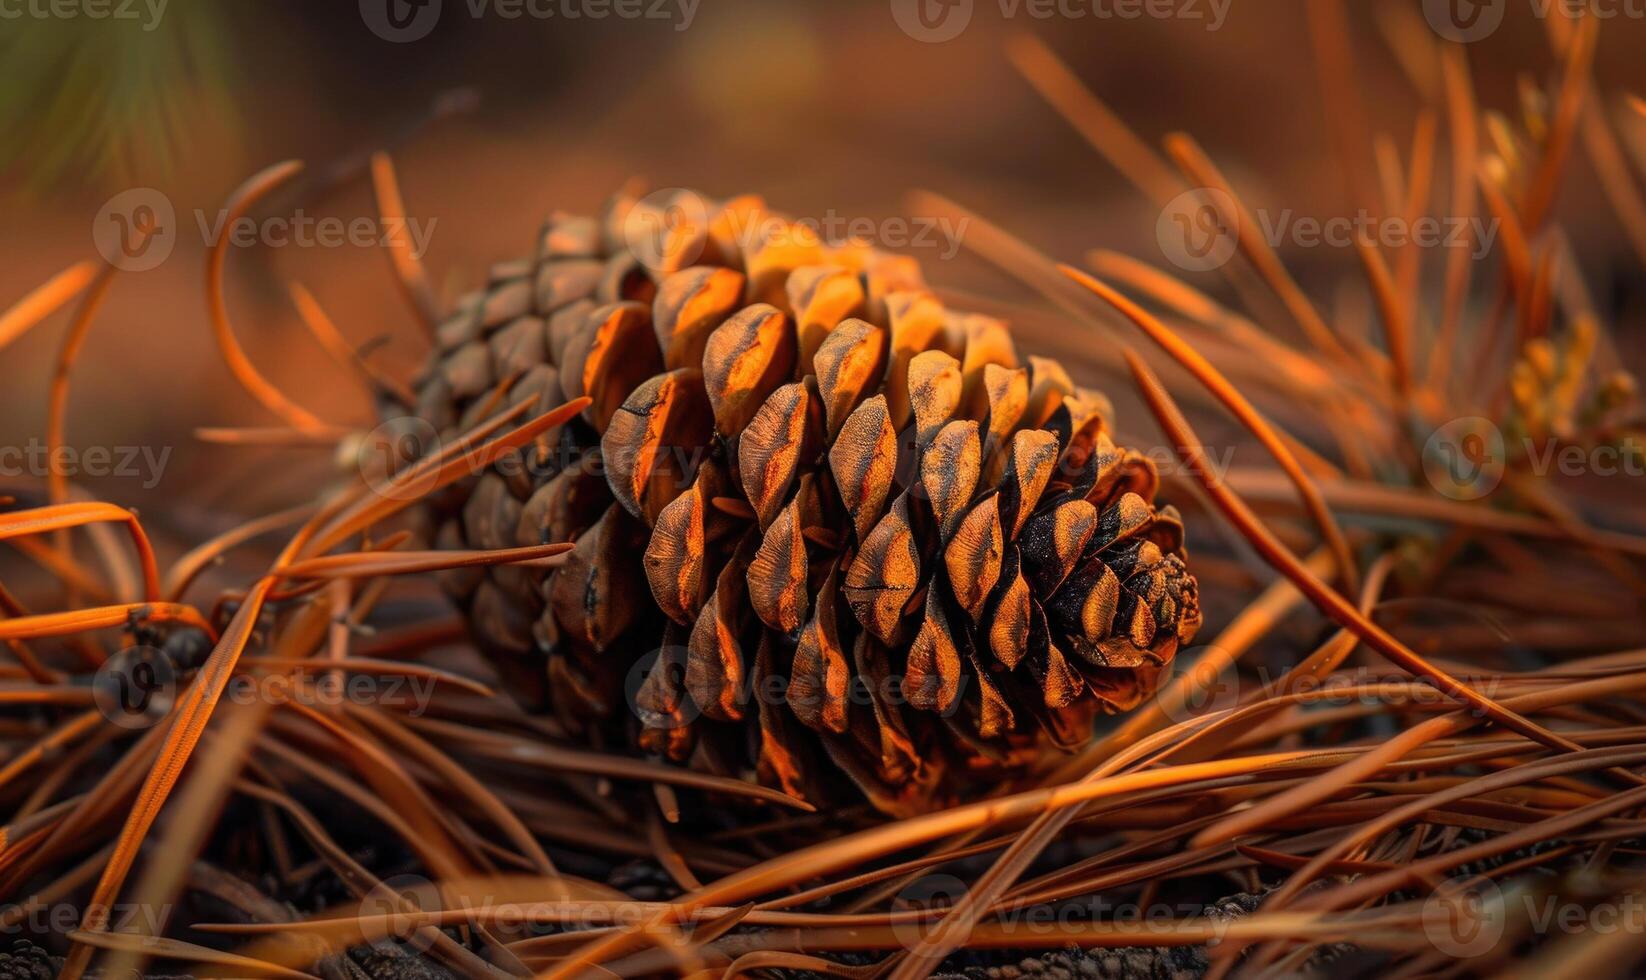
(99, 617)
(1199, 168)
(45, 300)
(39, 520)
(57, 403)
(408, 267)
(370, 564)
(191, 714)
(259, 387)
(1206, 374)
(325, 331)
(1104, 130)
(1329, 602)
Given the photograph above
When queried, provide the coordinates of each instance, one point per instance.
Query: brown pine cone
(856, 533)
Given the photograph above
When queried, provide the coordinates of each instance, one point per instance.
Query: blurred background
(497, 113)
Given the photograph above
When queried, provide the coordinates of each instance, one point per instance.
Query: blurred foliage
(110, 100)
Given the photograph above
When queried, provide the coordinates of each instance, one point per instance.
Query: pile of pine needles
(1413, 747)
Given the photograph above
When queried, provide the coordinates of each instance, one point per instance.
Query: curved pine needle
(1101, 128)
(1236, 403)
(373, 563)
(331, 339)
(244, 371)
(408, 267)
(1397, 329)
(38, 520)
(184, 570)
(44, 300)
(369, 665)
(57, 401)
(191, 714)
(1329, 602)
(100, 617)
(1464, 125)
(179, 950)
(461, 780)
(1384, 500)
(564, 759)
(1199, 168)
(1306, 374)
(325, 437)
(66, 568)
(54, 741)
(1574, 84)
(818, 859)
(453, 463)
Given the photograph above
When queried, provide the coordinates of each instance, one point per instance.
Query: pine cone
(848, 531)
(26, 961)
